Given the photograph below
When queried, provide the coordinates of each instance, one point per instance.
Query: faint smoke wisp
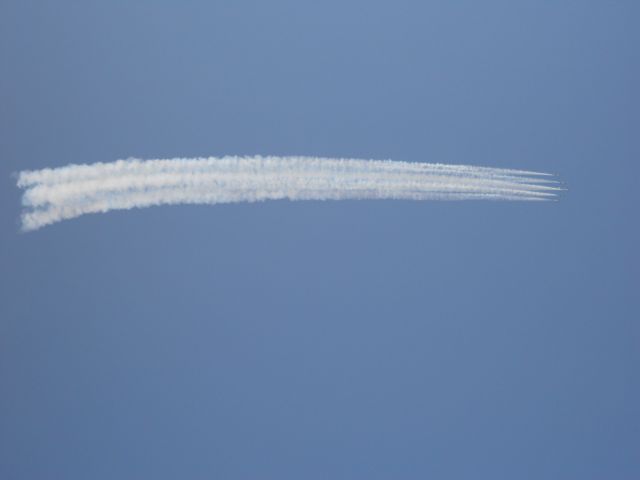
(52, 195)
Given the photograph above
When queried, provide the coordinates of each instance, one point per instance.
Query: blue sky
(365, 339)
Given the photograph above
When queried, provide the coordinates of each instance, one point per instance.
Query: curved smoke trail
(52, 195)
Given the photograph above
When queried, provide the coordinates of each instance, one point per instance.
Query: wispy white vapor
(52, 195)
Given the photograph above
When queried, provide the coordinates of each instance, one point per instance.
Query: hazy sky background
(342, 340)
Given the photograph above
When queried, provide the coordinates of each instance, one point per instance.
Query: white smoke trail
(52, 195)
